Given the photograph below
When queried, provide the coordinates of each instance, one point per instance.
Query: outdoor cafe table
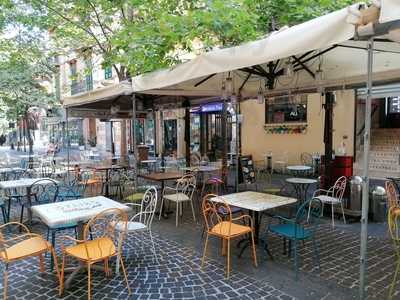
(202, 169)
(254, 202)
(299, 169)
(5, 171)
(106, 168)
(24, 183)
(79, 211)
(150, 163)
(301, 186)
(162, 177)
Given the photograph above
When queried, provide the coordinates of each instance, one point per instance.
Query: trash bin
(378, 204)
(355, 193)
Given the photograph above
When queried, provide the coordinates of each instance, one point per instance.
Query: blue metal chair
(47, 191)
(70, 191)
(302, 227)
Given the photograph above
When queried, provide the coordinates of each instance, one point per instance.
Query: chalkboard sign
(247, 174)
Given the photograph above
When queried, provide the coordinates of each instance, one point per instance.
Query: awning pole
(365, 194)
(68, 143)
(134, 146)
(237, 150)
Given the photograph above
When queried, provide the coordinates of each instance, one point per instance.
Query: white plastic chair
(182, 192)
(142, 220)
(333, 196)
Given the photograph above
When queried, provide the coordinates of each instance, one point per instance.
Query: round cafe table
(301, 186)
(299, 169)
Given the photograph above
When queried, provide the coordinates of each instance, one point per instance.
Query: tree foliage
(137, 36)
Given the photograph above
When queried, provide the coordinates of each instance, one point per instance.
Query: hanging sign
(211, 107)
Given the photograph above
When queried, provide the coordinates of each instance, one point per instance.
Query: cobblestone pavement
(176, 274)
(339, 250)
(339, 260)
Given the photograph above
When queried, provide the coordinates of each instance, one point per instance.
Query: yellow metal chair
(25, 245)
(225, 228)
(394, 229)
(106, 244)
(392, 197)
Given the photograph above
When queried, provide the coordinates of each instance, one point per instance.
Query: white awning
(109, 92)
(324, 43)
(390, 11)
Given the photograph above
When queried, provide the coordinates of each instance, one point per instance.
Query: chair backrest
(148, 206)
(339, 187)
(46, 168)
(104, 225)
(394, 223)
(308, 213)
(187, 184)
(211, 213)
(306, 159)
(44, 190)
(214, 185)
(391, 192)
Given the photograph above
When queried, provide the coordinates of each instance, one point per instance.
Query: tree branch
(88, 31)
(98, 20)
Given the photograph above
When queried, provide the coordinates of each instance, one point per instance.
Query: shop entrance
(170, 137)
(389, 112)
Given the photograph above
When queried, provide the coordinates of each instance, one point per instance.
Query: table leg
(106, 193)
(257, 240)
(29, 198)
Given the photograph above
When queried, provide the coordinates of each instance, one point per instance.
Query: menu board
(247, 174)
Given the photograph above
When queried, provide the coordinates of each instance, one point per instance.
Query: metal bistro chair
(182, 192)
(107, 244)
(142, 220)
(307, 160)
(333, 196)
(300, 228)
(225, 228)
(394, 229)
(42, 191)
(20, 247)
(89, 179)
(392, 197)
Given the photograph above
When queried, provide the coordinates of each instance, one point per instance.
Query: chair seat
(288, 230)
(130, 226)
(94, 250)
(273, 191)
(26, 248)
(134, 197)
(178, 197)
(222, 229)
(328, 199)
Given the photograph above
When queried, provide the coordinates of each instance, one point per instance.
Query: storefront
(206, 130)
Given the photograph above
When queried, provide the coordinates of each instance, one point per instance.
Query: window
(281, 110)
(89, 82)
(73, 71)
(88, 72)
(107, 72)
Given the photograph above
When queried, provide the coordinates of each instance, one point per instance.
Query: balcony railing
(82, 86)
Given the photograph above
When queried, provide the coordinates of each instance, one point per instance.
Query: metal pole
(237, 150)
(162, 129)
(365, 194)
(133, 130)
(68, 143)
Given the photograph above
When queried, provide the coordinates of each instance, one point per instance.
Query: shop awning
(328, 44)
